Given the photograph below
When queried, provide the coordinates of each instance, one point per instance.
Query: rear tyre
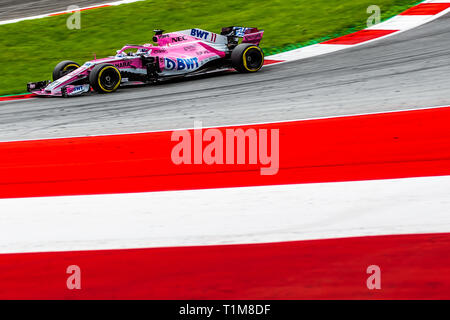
(105, 78)
(247, 58)
(63, 68)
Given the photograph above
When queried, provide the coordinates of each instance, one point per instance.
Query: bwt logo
(200, 34)
(181, 64)
(228, 146)
(78, 88)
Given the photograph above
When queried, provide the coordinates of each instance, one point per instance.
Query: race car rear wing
(248, 35)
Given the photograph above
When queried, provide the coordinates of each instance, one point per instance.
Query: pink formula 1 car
(176, 54)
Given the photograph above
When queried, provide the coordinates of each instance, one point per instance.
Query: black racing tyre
(247, 57)
(105, 78)
(63, 68)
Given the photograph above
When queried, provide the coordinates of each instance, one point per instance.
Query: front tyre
(247, 58)
(63, 68)
(105, 78)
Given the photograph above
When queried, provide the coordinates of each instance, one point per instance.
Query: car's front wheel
(105, 78)
(247, 58)
(63, 68)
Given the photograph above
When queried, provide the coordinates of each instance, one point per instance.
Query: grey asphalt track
(12, 9)
(410, 70)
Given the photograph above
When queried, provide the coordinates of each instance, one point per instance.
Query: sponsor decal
(204, 35)
(189, 48)
(123, 64)
(74, 90)
(181, 64)
(78, 89)
(200, 34)
(179, 39)
(253, 37)
(200, 53)
(170, 64)
(159, 51)
(239, 31)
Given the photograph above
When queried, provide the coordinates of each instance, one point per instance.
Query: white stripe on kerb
(226, 216)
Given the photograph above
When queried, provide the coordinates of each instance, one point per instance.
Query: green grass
(30, 49)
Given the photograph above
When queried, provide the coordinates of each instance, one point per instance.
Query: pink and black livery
(175, 54)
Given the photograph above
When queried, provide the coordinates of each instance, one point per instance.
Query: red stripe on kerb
(85, 9)
(412, 267)
(379, 146)
(268, 62)
(426, 9)
(360, 36)
(18, 97)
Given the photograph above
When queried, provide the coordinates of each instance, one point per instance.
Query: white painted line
(115, 3)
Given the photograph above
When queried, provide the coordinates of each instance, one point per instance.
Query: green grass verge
(30, 49)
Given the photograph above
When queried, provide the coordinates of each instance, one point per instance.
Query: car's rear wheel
(247, 57)
(63, 68)
(105, 78)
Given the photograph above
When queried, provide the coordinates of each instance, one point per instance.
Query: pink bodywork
(178, 53)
